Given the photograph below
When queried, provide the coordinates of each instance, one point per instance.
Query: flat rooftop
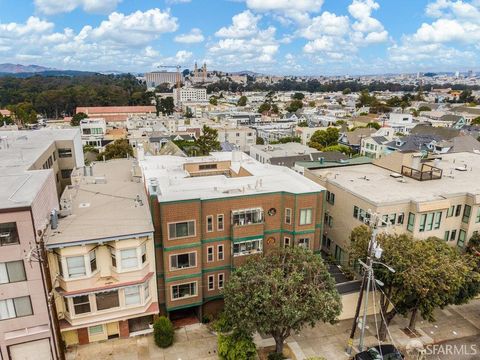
(175, 183)
(20, 149)
(104, 205)
(282, 150)
(376, 185)
(19, 189)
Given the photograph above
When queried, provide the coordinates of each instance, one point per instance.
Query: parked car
(381, 352)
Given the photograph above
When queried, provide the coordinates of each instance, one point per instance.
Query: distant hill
(18, 68)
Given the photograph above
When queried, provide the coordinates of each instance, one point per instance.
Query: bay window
(247, 247)
(81, 304)
(107, 300)
(76, 266)
(129, 259)
(247, 216)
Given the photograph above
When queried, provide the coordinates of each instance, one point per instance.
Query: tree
(77, 118)
(260, 141)
(117, 150)
(163, 332)
(374, 125)
(340, 122)
(428, 274)
(298, 96)
(424, 108)
(295, 105)
(303, 123)
(242, 101)
(476, 121)
(23, 113)
(208, 142)
(346, 91)
(324, 138)
(275, 109)
(281, 292)
(213, 100)
(340, 148)
(264, 107)
(166, 105)
(287, 139)
(312, 103)
(7, 120)
(188, 113)
(236, 347)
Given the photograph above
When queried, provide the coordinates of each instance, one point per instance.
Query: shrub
(163, 332)
(207, 318)
(236, 347)
(275, 356)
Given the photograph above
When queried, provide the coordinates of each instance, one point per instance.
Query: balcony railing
(427, 172)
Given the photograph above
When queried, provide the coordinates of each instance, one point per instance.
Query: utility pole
(52, 308)
(365, 283)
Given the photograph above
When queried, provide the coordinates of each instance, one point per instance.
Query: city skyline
(303, 37)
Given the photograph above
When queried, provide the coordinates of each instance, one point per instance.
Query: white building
(189, 95)
(93, 132)
(401, 122)
(156, 78)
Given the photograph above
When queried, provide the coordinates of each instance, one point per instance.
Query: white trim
(285, 242)
(222, 252)
(178, 222)
(218, 280)
(285, 218)
(213, 282)
(213, 254)
(185, 297)
(206, 223)
(190, 267)
(223, 222)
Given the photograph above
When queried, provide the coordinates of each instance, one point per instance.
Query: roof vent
(461, 168)
(396, 175)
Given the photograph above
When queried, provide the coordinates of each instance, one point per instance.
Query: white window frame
(185, 297)
(67, 273)
(136, 257)
(138, 287)
(213, 254)
(222, 275)
(310, 218)
(210, 228)
(211, 281)
(182, 237)
(220, 216)
(220, 258)
(97, 333)
(288, 215)
(189, 267)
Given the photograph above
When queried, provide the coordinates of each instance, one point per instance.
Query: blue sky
(311, 37)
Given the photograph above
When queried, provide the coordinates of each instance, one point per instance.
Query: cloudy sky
(310, 37)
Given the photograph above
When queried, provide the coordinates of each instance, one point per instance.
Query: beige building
(241, 137)
(59, 150)
(305, 133)
(101, 255)
(423, 197)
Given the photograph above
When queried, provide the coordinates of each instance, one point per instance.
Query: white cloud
(244, 42)
(123, 41)
(452, 37)
(368, 29)
(243, 25)
(194, 36)
(326, 24)
(297, 10)
(51, 7)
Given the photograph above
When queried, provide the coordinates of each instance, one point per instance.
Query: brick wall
(83, 336)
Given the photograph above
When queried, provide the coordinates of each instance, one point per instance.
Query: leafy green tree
(281, 292)
(264, 107)
(242, 101)
(312, 103)
(236, 347)
(275, 109)
(166, 106)
(77, 118)
(346, 91)
(428, 274)
(341, 148)
(208, 141)
(117, 150)
(287, 139)
(466, 97)
(476, 121)
(295, 105)
(260, 141)
(366, 99)
(188, 113)
(163, 332)
(324, 138)
(374, 125)
(340, 122)
(7, 120)
(213, 100)
(23, 113)
(303, 124)
(298, 96)
(424, 108)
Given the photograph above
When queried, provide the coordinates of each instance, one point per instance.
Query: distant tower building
(195, 72)
(457, 74)
(204, 71)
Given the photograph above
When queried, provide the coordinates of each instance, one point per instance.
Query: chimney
(54, 219)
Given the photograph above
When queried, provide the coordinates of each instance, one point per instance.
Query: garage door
(34, 350)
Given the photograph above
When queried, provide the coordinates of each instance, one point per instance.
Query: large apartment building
(59, 150)
(424, 197)
(35, 166)
(101, 255)
(212, 213)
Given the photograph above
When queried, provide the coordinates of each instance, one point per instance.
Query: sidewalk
(195, 342)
